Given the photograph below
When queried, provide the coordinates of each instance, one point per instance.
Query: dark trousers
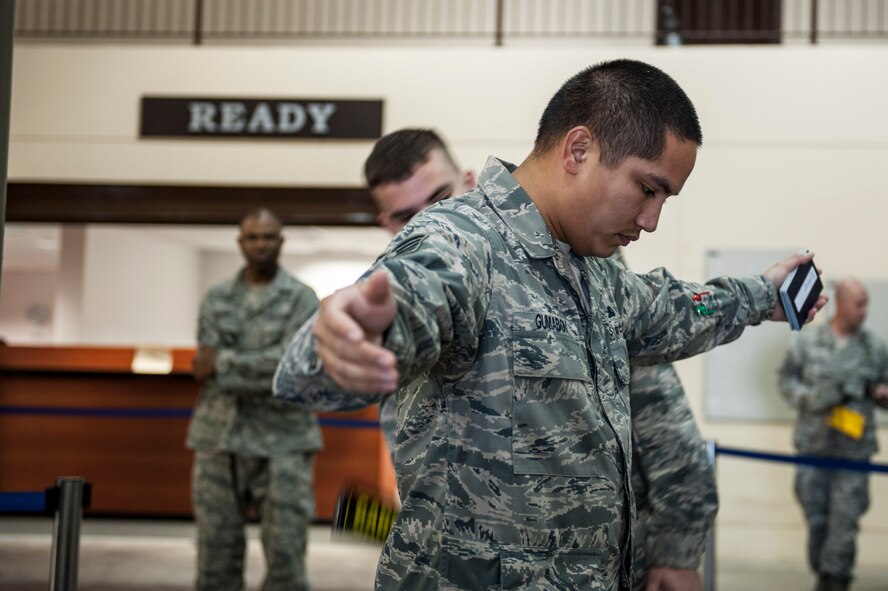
(833, 502)
(224, 488)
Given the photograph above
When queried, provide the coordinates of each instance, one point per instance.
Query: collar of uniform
(826, 335)
(278, 283)
(514, 206)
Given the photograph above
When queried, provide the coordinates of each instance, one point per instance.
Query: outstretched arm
(667, 319)
(426, 298)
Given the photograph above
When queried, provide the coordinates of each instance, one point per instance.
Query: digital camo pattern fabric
(833, 502)
(513, 438)
(388, 423)
(673, 481)
(236, 411)
(818, 374)
(281, 489)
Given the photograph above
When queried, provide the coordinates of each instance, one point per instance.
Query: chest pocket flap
(548, 346)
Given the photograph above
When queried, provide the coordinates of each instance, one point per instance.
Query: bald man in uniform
(835, 375)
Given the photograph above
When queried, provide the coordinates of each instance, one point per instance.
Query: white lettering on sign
(234, 117)
(201, 117)
(291, 117)
(262, 120)
(320, 113)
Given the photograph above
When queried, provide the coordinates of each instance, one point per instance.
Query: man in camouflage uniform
(407, 171)
(510, 338)
(834, 375)
(251, 450)
(674, 484)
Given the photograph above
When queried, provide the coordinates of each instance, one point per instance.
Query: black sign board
(260, 118)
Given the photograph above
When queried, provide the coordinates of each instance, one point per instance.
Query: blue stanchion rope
(816, 461)
(23, 502)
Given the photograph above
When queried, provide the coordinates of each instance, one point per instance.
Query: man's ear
(576, 149)
(469, 179)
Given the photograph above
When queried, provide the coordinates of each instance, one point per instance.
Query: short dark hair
(259, 212)
(395, 155)
(628, 105)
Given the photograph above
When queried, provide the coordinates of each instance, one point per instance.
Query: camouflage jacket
(817, 376)
(673, 481)
(672, 478)
(514, 446)
(235, 411)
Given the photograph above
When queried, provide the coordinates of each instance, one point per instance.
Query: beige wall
(796, 142)
(26, 306)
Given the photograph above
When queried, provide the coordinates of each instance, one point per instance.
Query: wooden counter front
(81, 411)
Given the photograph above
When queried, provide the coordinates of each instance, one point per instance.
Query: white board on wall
(741, 377)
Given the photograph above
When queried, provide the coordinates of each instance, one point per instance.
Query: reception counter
(118, 416)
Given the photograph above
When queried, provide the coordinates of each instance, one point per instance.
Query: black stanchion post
(498, 33)
(7, 19)
(66, 534)
(709, 556)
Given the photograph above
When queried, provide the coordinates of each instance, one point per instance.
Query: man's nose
(650, 215)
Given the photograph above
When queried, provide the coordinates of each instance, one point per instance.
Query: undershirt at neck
(572, 258)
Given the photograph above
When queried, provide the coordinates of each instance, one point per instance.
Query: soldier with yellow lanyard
(835, 375)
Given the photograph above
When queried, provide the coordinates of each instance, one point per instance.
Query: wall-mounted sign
(260, 118)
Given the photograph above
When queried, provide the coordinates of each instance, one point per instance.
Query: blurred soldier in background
(251, 450)
(834, 375)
